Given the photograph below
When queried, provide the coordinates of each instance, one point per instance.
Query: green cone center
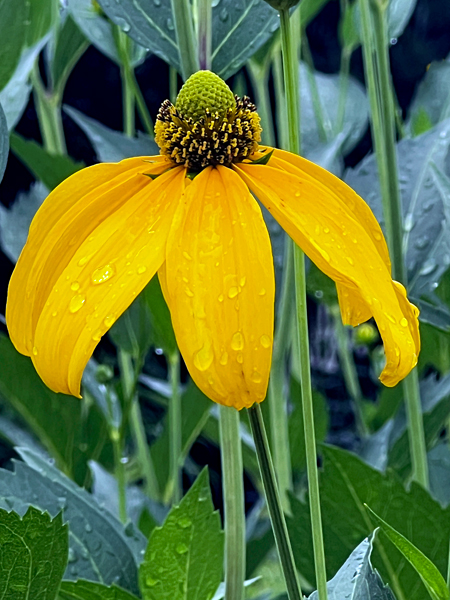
(204, 91)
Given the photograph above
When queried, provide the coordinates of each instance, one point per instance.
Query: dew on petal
(189, 292)
(96, 336)
(326, 230)
(391, 318)
(102, 274)
(83, 261)
(77, 302)
(141, 269)
(75, 286)
(240, 358)
(237, 341)
(224, 359)
(404, 322)
(350, 260)
(203, 358)
(220, 298)
(262, 292)
(187, 256)
(377, 235)
(233, 292)
(256, 377)
(265, 341)
(35, 351)
(109, 320)
(242, 281)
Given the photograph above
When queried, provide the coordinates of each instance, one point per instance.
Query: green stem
(343, 87)
(204, 33)
(291, 82)
(187, 45)
(141, 105)
(376, 59)
(280, 113)
(120, 474)
(448, 569)
(174, 490)
(233, 499)
(127, 102)
(173, 84)
(274, 503)
(48, 108)
(322, 125)
(259, 76)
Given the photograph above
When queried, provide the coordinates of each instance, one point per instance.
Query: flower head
(103, 233)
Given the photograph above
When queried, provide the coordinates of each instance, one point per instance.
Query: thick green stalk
(187, 44)
(233, 500)
(48, 108)
(376, 60)
(204, 33)
(128, 105)
(274, 503)
(174, 488)
(119, 468)
(291, 82)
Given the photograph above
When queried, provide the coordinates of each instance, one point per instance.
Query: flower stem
(204, 33)
(274, 503)
(259, 76)
(292, 98)
(141, 105)
(117, 444)
(187, 45)
(376, 59)
(48, 108)
(174, 490)
(234, 506)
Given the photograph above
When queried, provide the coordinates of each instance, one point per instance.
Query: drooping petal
(98, 279)
(329, 222)
(67, 217)
(219, 283)
(354, 309)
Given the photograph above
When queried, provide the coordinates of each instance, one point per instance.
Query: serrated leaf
(184, 557)
(356, 579)
(88, 590)
(346, 483)
(110, 145)
(33, 555)
(239, 30)
(148, 23)
(101, 549)
(15, 221)
(432, 579)
(431, 102)
(48, 168)
(71, 432)
(426, 205)
(4, 142)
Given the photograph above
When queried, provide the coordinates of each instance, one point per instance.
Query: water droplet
(77, 302)
(223, 14)
(242, 281)
(169, 24)
(109, 320)
(83, 261)
(428, 267)
(224, 359)
(409, 222)
(203, 358)
(54, 313)
(256, 377)
(220, 298)
(75, 286)
(102, 274)
(390, 318)
(240, 358)
(393, 41)
(377, 235)
(97, 335)
(141, 269)
(35, 351)
(88, 527)
(350, 260)
(189, 292)
(326, 230)
(182, 548)
(233, 292)
(404, 322)
(157, 2)
(265, 341)
(262, 292)
(150, 581)
(184, 522)
(237, 341)
(297, 194)
(187, 256)
(72, 557)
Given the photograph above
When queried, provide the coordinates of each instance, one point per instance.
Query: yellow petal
(94, 283)
(328, 221)
(354, 309)
(68, 216)
(220, 288)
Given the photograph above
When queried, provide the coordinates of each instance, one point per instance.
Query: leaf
(48, 168)
(184, 557)
(100, 548)
(15, 221)
(110, 145)
(72, 432)
(33, 554)
(399, 13)
(432, 579)
(439, 471)
(133, 330)
(309, 9)
(70, 44)
(4, 143)
(426, 206)
(239, 30)
(163, 334)
(41, 18)
(346, 483)
(88, 590)
(356, 579)
(148, 23)
(13, 14)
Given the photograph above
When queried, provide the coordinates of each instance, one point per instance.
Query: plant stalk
(204, 33)
(48, 108)
(187, 44)
(233, 500)
(174, 487)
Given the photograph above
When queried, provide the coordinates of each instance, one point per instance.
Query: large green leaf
(346, 483)
(184, 557)
(356, 579)
(432, 579)
(33, 555)
(88, 590)
(4, 142)
(399, 13)
(13, 14)
(48, 168)
(72, 432)
(439, 470)
(425, 201)
(101, 548)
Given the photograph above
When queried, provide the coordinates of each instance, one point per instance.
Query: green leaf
(439, 470)
(4, 142)
(48, 168)
(356, 579)
(15, 221)
(432, 579)
(346, 483)
(184, 557)
(72, 432)
(149, 24)
(110, 145)
(101, 549)
(309, 9)
(426, 206)
(33, 555)
(133, 330)
(88, 590)
(70, 44)
(41, 18)
(431, 102)
(239, 30)
(13, 14)
(163, 334)
(399, 13)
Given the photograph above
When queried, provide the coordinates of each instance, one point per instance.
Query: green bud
(365, 334)
(282, 4)
(104, 373)
(204, 90)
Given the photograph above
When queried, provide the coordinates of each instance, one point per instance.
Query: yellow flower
(189, 215)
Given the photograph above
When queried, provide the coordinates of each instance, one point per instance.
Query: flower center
(208, 124)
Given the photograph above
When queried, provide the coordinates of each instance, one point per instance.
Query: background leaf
(399, 13)
(88, 590)
(13, 14)
(4, 142)
(184, 557)
(33, 555)
(69, 45)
